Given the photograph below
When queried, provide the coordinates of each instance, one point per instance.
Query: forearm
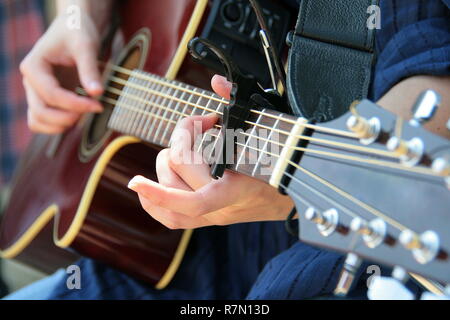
(402, 96)
(98, 10)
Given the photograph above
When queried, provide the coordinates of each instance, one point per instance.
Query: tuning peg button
(425, 247)
(367, 131)
(327, 222)
(425, 107)
(410, 152)
(373, 232)
(442, 167)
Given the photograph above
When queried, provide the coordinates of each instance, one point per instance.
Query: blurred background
(22, 22)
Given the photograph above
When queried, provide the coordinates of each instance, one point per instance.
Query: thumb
(88, 70)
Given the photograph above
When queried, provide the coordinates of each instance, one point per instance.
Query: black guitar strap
(331, 57)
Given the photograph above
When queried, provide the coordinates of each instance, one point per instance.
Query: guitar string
(337, 132)
(339, 144)
(417, 170)
(392, 165)
(344, 194)
(361, 204)
(156, 79)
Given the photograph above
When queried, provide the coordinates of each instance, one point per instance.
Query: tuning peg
(367, 131)
(425, 247)
(442, 167)
(410, 152)
(327, 222)
(425, 107)
(386, 288)
(373, 232)
(347, 277)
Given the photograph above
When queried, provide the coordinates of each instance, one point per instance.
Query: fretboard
(149, 107)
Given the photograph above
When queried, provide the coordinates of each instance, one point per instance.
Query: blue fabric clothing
(414, 39)
(261, 260)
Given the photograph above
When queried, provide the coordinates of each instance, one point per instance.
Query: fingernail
(135, 182)
(95, 86)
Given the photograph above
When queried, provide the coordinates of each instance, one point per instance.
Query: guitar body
(72, 188)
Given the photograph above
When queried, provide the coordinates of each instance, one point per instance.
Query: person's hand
(52, 108)
(187, 197)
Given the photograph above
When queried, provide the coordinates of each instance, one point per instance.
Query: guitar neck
(149, 107)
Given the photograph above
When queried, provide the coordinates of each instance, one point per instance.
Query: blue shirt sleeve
(414, 39)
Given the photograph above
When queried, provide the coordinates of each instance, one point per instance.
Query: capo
(246, 94)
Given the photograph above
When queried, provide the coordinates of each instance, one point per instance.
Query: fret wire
(148, 108)
(194, 109)
(172, 116)
(203, 113)
(131, 126)
(207, 105)
(248, 142)
(266, 144)
(138, 116)
(168, 107)
(166, 82)
(185, 108)
(153, 108)
(126, 112)
(220, 105)
(118, 114)
(148, 98)
(160, 102)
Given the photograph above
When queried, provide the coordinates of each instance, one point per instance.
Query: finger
(40, 76)
(39, 127)
(189, 165)
(88, 71)
(186, 130)
(212, 197)
(221, 86)
(170, 219)
(47, 115)
(166, 176)
(191, 169)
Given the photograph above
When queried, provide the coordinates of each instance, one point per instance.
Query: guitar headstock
(373, 185)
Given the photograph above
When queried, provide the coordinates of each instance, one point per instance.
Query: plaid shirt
(21, 24)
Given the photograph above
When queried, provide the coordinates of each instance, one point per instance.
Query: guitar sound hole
(96, 131)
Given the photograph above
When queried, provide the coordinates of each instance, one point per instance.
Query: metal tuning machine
(411, 152)
(367, 130)
(348, 275)
(425, 107)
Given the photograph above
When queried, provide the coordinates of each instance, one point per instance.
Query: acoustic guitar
(367, 183)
